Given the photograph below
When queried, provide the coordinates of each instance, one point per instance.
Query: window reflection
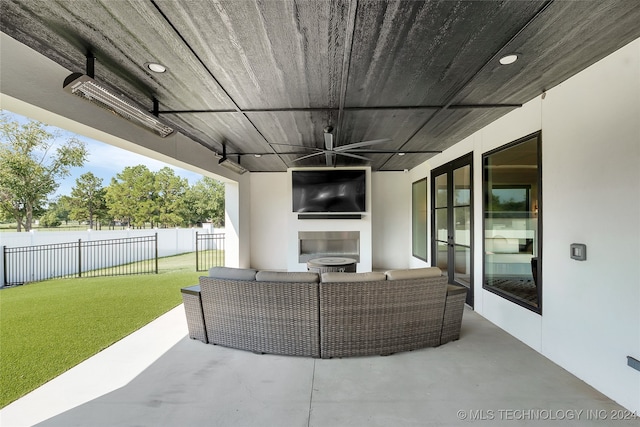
(511, 222)
(419, 219)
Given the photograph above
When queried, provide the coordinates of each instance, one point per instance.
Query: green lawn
(48, 327)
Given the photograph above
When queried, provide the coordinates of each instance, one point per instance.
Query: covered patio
(258, 85)
(159, 377)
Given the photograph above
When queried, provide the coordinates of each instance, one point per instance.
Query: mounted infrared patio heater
(90, 90)
(231, 165)
(84, 86)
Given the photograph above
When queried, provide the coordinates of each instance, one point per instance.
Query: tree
(103, 216)
(57, 212)
(205, 200)
(50, 219)
(88, 199)
(169, 197)
(130, 196)
(30, 168)
(63, 208)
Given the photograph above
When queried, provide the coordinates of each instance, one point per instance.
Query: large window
(512, 222)
(419, 219)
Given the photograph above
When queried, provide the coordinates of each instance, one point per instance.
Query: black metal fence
(112, 257)
(209, 251)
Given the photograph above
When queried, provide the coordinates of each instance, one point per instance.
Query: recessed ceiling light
(155, 67)
(509, 59)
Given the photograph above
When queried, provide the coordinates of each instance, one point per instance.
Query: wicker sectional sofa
(332, 315)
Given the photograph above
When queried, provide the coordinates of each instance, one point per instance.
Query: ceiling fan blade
(367, 151)
(286, 153)
(361, 144)
(308, 156)
(298, 146)
(355, 156)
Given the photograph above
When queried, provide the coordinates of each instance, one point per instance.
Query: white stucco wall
(274, 227)
(391, 219)
(237, 220)
(591, 187)
(271, 203)
(591, 194)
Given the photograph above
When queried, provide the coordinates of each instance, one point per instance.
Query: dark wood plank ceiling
(266, 77)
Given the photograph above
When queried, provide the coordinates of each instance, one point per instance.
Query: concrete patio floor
(159, 377)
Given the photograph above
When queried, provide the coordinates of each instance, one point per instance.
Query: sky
(104, 161)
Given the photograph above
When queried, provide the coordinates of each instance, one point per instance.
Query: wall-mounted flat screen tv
(331, 190)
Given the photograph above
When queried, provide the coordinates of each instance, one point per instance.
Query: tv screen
(335, 190)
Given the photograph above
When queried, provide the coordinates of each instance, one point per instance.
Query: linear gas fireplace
(315, 244)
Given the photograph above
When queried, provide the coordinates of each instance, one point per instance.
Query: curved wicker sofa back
(352, 315)
(264, 312)
(381, 317)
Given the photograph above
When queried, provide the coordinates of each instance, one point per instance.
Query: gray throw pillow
(413, 273)
(232, 273)
(335, 277)
(287, 276)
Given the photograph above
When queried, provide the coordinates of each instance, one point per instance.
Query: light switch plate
(579, 251)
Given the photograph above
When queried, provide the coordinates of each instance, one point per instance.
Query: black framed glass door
(452, 221)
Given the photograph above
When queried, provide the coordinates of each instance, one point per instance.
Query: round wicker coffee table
(327, 264)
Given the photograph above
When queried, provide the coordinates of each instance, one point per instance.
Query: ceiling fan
(353, 150)
(330, 151)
